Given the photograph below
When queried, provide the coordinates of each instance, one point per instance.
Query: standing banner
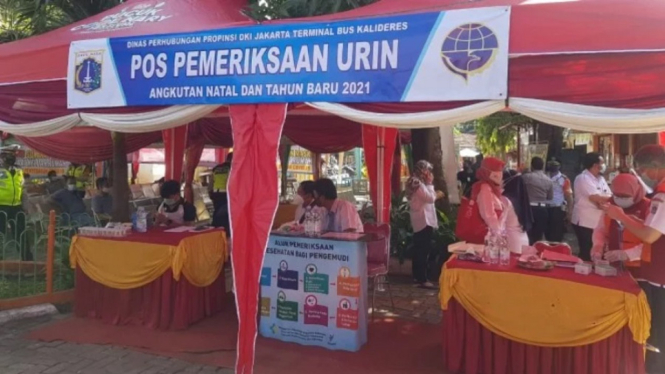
(313, 292)
(438, 56)
(38, 165)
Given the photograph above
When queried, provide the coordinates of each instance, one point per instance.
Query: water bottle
(504, 251)
(317, 223)
(141, 220)
(494, 249)
(308, 222)
(486, 248)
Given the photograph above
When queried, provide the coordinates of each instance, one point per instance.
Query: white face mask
(624, 202)
(497, 177)
(297, 200)
(603, 168)
(71, 187)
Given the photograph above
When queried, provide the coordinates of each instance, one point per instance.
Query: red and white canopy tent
(592, 65)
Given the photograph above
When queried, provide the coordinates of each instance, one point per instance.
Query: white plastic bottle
(309, 229)
(504, 251)
(494, 248)
(317, 223)
(141, 220)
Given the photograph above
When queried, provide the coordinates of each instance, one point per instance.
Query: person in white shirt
(421, 196)
(304, 200)
(591, 192)
(342, 215)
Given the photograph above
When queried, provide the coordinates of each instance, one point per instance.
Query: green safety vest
(11, 187)
(220, 175)
(77, 172)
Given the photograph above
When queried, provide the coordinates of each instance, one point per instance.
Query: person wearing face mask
(81, 173)
(54, 183)
(495, 209)
(421, 196)
(304, 199)
(590, 192)
(650, 166)
(102, 202)
(628, 194)
(174, 211)
(72, 204)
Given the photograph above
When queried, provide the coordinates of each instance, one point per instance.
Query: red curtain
(175, 140)
(661, 138)
(192, 159)
(135, 166)
(379, 144)
(253, 202)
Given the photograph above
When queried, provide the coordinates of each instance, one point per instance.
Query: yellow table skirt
(124, 264)
(544, 311)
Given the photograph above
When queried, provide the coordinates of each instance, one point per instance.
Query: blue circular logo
(468, 49)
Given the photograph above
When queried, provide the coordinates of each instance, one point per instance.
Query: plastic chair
(378, 259)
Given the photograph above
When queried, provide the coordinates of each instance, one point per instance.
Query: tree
(262, 10)
(496, 134)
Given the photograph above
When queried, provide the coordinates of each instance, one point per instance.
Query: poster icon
(266, 274)
(88, 71)
(315, 314)
(347, 318)
(286, 310)
(346, 284)
(265, 307)
(314, 282)
(287, 279)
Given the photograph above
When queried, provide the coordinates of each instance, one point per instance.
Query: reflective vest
(220, 175)
(11, 187)
(641, 211)
(77, 172)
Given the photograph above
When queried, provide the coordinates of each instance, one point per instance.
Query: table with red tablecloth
(509, 320)
(158, 279)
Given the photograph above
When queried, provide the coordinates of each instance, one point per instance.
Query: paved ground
(19, 355)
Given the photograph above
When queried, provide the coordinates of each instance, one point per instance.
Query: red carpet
(395, 346)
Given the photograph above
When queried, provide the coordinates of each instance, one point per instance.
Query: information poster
(37, 164)
(313, 292)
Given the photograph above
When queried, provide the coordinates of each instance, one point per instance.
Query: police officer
(82, 175)
(561, 207)
(218, 195)
(11, 200)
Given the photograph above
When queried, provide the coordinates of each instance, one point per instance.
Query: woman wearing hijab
(495, 209)
(421, 196)
(608, 240)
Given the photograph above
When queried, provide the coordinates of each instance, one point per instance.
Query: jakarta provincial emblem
(88, 71)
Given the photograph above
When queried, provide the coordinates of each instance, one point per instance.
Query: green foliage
(497, 134)
(20, 19)
(401, 237)
(280, 9)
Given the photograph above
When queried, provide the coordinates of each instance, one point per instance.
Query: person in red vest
(613, 244)
(650, 165)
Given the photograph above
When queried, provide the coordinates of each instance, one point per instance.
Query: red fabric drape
(661, 138)
(396, 177)
(323, 134)
(135, 166)
(192, 159)
(253, 202)
(379, 141)
(469, 348)
(220, 155)
(162, 304)
(175, 140)
(86, 144)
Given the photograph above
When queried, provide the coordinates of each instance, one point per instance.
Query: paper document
(180, 229)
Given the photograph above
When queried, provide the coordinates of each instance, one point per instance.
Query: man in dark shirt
(71, 203)
(174, 211)
(541, 191)
(466, 178)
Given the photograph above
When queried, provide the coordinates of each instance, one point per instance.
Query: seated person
(304, 199)
(174, 211)
(71, 203)
(54, 183)
(102, 202)
(342, 215)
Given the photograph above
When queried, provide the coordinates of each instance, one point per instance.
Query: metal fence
(34, 253)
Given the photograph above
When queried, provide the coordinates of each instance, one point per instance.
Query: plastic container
(141, 224)
(605, 270)
(583, 268)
